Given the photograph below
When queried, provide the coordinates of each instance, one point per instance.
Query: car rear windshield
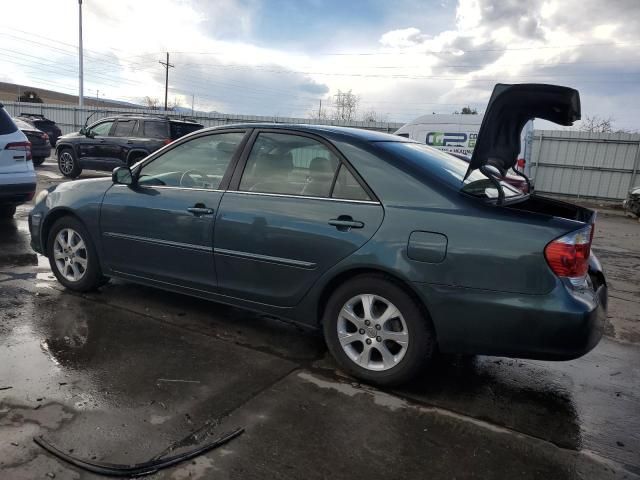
(22, 125)
(179, 129)
(449, 169)
(153, 129)
(6, 124)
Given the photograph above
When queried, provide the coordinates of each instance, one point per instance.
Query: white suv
(17, 176)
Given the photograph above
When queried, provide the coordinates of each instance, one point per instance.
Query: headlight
(41, 196)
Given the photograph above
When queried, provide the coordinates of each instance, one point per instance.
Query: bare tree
(151, 102)
(595, 124)
(345, 105)
(175, 104)
(466, 111)
(371, 115)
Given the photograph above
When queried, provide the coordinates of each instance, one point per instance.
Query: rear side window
(289, 164)
(347, 187)
(153, 129)
(180, 129)
(124, 128)
(6, 124)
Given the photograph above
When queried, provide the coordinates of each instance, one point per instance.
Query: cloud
(259, 57)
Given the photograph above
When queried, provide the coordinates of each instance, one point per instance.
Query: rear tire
(37, 161)
(7, 211)
(68, 163)
(395, 344)
(72, 255)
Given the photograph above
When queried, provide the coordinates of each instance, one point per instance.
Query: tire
(68, 163)
(72, 231)
(412, 326)
(7, 211)
(37, 161)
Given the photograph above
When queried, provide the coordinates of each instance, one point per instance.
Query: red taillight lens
(167, 141)
(45, 136)
(568, 256)
(20, 147)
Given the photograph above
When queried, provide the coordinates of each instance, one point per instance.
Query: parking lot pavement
(126, 372)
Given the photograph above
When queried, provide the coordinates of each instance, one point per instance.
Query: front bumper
(561, 325)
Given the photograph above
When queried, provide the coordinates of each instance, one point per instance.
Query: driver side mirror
(122, 176)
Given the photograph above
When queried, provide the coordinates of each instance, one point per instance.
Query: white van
(457, 134)
(17, 176)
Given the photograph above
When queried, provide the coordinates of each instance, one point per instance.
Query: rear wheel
(68, 163)
(377, 332)
(72, 255)
(7, 211)
(37, 161)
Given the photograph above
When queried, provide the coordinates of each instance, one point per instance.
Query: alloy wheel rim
(372, 332)
(66, 163)
(70, 254)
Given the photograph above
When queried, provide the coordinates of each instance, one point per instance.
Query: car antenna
(88, 118)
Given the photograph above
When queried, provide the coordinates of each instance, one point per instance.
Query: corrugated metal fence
(585, 165)
(71, 119)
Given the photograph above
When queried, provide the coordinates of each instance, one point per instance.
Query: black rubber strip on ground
(139, 469)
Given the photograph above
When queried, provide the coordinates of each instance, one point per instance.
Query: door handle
(200, 210)
(344, 223)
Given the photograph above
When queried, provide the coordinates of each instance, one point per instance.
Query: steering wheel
(188, 174)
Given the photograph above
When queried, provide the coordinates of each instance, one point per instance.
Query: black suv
(41, 123)
(117, 141)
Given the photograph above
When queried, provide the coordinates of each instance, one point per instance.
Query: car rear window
(6, 124)
(447, 168)
(22, 125)
(154, 129)
(179, 129)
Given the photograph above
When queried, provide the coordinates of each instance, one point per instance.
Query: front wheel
(377, 332)
(72, 256)
(68, 163)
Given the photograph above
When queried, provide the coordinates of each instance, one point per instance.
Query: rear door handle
(345, 223)
(198, 211)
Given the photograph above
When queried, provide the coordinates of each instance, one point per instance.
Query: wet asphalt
(128, 372)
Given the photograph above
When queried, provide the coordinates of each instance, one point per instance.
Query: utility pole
(193, 99)
(80, 69)
(166, 66)
(320, 109)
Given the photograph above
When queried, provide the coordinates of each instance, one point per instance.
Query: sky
(402, 58)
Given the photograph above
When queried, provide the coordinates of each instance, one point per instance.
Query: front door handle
(199, 209)
(344, 223)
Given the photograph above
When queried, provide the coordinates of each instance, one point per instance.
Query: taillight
(166, 141)
(568, 256)
(45, 136)
(20, 147)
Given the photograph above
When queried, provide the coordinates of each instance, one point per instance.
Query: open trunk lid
(510, 108)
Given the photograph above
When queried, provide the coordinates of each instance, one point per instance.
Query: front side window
(124, 128)
(102, 129)
(289, 164)
(199, 163)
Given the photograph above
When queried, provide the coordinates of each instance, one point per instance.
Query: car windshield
(449, 169)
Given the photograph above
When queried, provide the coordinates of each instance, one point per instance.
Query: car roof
(359, 133)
